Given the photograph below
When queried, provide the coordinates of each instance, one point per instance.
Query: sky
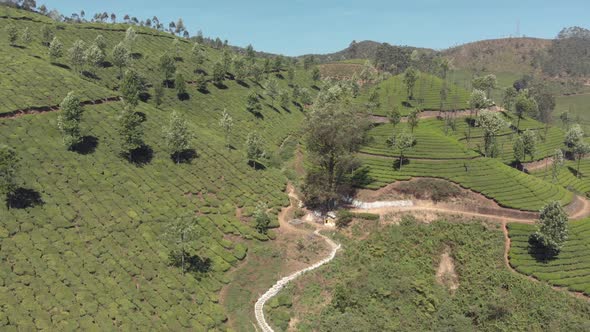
(297, 27)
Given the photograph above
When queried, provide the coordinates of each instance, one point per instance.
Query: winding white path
(274, 290)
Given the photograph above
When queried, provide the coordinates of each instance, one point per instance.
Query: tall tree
(94, 56)
(485, 83)
(181, 234)
(403, 142)
(69, 121)
(12, 34)
(250, 54)
(76, 54)
(26, 36)
(315, 74)
(580, 151)
(491, 123)
(226, 58)
(552, 228)
(394, 116)
(240, 69)
(177, 136)
(131, 88)
(510, 95)
(556, 164)
(226, 122)
(55, 49)
(255, 148)
(413, 119)
(253, 103)
(120, 57)
(529, 140)
(566, 120)
(272, 89)
(524, 105)
(518, 150)
(373, 103)
(410, 78)
(284, 98)
(574, 137)
(180, 85)
(167, 67)
(198, 55)
(130, 38)
(47, 34)
(158, 93)
(130, 130)
(218, 73)
(101, 42)
(261, 218)
(9, 166)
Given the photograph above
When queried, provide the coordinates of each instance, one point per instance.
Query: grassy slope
(569, 269)
(392, 92)
(92, 255)
(388, 283)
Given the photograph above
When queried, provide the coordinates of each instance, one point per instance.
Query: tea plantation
(87, 250)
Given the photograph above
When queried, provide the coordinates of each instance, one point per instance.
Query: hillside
(498, 55)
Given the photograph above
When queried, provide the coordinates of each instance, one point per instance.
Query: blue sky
(295, 27)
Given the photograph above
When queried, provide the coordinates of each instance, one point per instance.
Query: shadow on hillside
(192, 263)
(184, 156)
(256, 165)
(244, 84)
(396, 163)
(315, 87)
(23, 198)
(575, 172)
(361, 178)
(106, 64)
(286, 109)
(61, 65)
(86, 146)
(169, 84)
(142, 116)
(280, 76)
(204, 91)
(145, 97)
(230, 76)
(140, 156)
(183, 96)
(200, 71)
(539, 252)
(257, 114)
(272, 107)
(91, 75)
(178, 59)
(18, 46)
(136, 56)
(220, 86)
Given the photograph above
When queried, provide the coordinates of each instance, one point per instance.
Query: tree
(120, 57)
(373, 103)
(158, 93)
(305, 96)
(47, 34)
(491, 123)
(308, 61)
(272, 89)
(201, 82)
(12, 34)
(69, 121)
(130, 130)
(485, 83)
(240, 69)
(478, 101)
(261, 218)
(176, 47)
(518, 150)
(180, 85)
(291, 73)
(253, 103)
(167, 67)
(566, 119)
(26, 36)
(180, 26)
(226, 60)
(394, 116)
(94, 56)
(55, 49)
(284, 98)
(130, 38)
(8, 171)
(255, 148)
(277, 63)
(510, 95)
(529, 140)
(552, 228)
(131, 88)
(334, 132)
(413, 119)
(410, 78)
(580, 151)
(181, 234)
(256, 73)
(556, 164)
(177, 136)
(226, 123)
(403, 142)
(315, 74)
(198, 55)
(218, 73)
(76, 54)
(101, 43)
(524, 105)
(574, 137)
(250, 54)
(545, 102)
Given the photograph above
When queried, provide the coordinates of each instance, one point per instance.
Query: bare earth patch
(445, 274)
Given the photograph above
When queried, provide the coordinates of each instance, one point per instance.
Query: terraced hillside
(569, 269)
(87, 247)
(393, 93)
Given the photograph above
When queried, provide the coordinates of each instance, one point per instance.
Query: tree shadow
(183, 96)
(193, 263)
(396, 163)
(272, 107)
(23, 198)
(575, 172)
(280, 76)
(220, 86)
(244, 84)
(257, 114)
(286, 109)
(136, 56)
(142, 115)
(91, 75)
(106, 64)
(61, 65)
(204, 91)
(140, 156)
(539, 252)
(406, 104)
(256, 165)
(200, 71)
(315, 87)
(184, 156)
(18, 46)
(145, 96)
(86, 146)
(470, 122)
(230, 76)
(178, 59)
(169, 84)
(361, 178)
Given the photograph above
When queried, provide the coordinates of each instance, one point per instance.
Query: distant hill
(498, 55)
(365, 49)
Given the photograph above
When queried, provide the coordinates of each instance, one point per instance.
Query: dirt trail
(44, 109)
(429, 114)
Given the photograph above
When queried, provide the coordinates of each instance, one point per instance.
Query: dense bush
(434, 189)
